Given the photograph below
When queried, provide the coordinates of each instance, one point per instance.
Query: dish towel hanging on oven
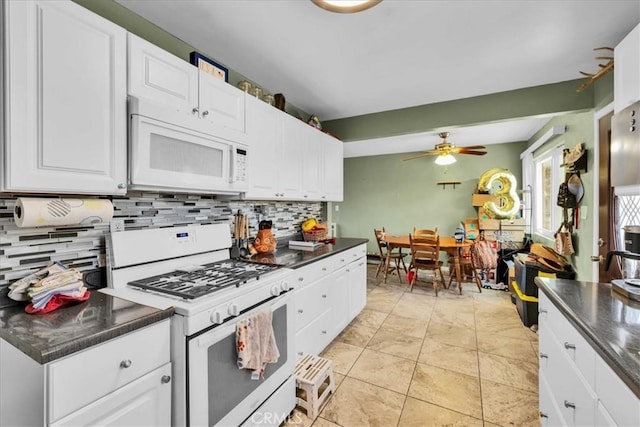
(256, 343)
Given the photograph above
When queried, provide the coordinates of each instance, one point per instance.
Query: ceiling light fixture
(346, 6)
(444, 160)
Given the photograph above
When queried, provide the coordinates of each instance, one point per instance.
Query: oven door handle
(229, 325)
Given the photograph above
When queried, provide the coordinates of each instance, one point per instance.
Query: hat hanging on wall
(575, 186)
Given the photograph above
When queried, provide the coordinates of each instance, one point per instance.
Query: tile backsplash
(24, 250)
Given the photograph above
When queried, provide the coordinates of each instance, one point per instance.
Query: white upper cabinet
(311, 141)
(333, 169)
(274, 155)
(626, 73)
(64, 100)
(159, 76)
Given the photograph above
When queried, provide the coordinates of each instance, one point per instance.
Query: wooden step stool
(312, 372)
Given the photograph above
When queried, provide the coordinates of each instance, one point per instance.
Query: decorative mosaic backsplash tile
(25, 250)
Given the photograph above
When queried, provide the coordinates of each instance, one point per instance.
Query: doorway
(606, 240)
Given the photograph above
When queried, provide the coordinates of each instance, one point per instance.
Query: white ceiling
(400, 53)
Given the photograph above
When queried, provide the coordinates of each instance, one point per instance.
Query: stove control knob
(216, 317)
(284, 286)
(233, 309)
(275, 290)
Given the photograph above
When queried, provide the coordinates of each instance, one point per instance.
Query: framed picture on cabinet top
(209, 66)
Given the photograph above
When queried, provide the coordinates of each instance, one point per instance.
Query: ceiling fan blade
(474, 147)
(427, 153)
(474, 152)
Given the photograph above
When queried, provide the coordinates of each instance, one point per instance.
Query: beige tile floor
(414, 359)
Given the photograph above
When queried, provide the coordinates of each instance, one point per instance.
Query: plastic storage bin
(526, 305)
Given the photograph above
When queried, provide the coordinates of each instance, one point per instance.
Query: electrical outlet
(116, 224)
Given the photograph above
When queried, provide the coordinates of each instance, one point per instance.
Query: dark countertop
(295, 258)
(47, 337)
(609, 321)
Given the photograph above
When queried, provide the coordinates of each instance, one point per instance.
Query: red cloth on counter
(57, 301)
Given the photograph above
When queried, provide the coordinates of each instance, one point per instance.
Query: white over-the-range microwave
(171, 151)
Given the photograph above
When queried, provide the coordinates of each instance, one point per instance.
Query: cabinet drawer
(310, 273)
(549, 413)
(310, 301)
(620, 402)
(314, 337)
(572, 395)
(77, 380)
(145, 401)
(570, 340)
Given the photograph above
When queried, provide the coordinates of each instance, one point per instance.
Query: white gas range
(189, 268)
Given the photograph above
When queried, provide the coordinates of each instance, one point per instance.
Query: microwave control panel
(240, 166)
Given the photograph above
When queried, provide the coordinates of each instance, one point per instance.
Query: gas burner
(194, 283)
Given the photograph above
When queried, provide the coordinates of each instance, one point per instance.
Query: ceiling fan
(446, 149)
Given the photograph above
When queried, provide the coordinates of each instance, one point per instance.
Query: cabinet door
(157, 75)
(626, 85)
(144, 402)
(357, 282)
(221, 104)
(289, 165)
(264, 132)
(65, 98)
(333, 169)
(312, 162)
(338, 283)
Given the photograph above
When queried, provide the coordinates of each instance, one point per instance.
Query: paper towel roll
(38, 212)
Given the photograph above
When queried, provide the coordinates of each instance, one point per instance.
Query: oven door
(221, 393)
(165, 156)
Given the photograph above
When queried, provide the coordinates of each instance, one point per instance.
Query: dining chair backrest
(425, 232)
(425, 251)
(380, 235)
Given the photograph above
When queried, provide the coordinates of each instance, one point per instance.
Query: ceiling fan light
(346, 6)
(447, 159)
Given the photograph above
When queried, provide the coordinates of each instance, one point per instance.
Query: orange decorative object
(265, 242)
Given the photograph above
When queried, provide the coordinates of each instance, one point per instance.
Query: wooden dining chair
(467, 266)
(425, 255)
(389, 260)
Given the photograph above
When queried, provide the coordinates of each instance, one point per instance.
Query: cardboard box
(471, 228)
(486, 222)
(480, 199)
(513, 224)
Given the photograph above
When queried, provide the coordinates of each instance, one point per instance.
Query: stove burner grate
(211, 278)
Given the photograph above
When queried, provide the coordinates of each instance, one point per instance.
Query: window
(547, 177)
(627, 208)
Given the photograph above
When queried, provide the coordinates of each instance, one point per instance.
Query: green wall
(384, 191)
(579, 129)
(539, 101)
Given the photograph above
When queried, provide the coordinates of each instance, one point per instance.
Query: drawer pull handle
(300, 311)
(324, 332)
(300, 279)
(543, 415)
(165, 379)
(324, 295)
(543, 356)
(542, 310)
(300, 353)
(324, 268)
(568, 404)
(569, 346)
(125, 364)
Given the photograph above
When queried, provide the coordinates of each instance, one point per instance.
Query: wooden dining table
(448, 244)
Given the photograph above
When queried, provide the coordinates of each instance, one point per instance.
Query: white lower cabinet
(123, 382)
(577, 387)
(329, 294)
